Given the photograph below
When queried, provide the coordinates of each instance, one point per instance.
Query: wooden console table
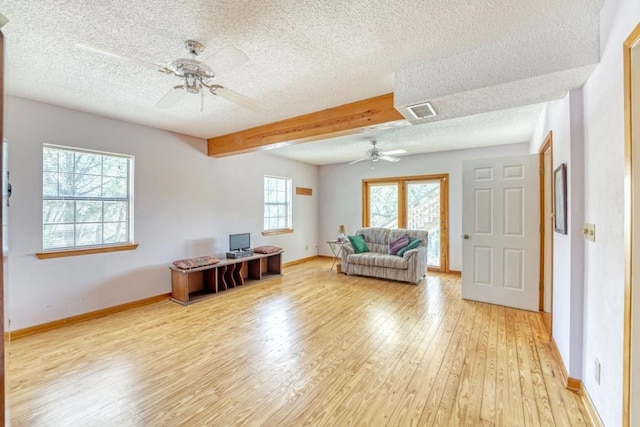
(195, 284)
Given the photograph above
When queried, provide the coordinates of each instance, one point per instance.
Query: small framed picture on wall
(560, 199)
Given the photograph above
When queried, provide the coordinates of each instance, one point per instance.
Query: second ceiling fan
(375, 154)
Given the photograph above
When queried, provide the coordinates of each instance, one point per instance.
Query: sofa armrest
(347, 250)
(416, 261)
(412, 252)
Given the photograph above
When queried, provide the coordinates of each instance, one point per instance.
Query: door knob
(465, 236)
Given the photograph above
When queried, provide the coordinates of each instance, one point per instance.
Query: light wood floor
(310, 348)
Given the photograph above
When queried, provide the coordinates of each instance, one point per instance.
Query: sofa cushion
(374, 259)
(396, 245)
(413, 243)
(396, 233)
(358, 243)
(377, 239)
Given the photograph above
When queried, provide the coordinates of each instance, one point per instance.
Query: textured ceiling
(479, 130)
(468, 58)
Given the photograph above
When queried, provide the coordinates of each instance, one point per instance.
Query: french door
(414, 202)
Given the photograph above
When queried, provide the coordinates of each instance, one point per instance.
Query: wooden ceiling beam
(326, 123)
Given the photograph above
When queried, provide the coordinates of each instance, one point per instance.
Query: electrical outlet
(306, 248)
(596, 370)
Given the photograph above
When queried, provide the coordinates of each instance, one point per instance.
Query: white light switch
(589, 231)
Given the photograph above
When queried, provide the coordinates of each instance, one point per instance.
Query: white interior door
(500, 222)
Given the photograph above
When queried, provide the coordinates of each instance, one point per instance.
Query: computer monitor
(239, 242)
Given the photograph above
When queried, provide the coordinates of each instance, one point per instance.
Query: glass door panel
(383, 205)
(416, 202)
(423, 213)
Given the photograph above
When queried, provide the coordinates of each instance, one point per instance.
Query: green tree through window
(86, 198)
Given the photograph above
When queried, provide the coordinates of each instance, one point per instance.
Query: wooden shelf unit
(188, 286)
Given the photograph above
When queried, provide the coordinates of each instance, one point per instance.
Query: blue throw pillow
(413, 243)
(358, 243)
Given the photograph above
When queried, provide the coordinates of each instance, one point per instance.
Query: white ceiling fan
(197, 77)
(375, 154)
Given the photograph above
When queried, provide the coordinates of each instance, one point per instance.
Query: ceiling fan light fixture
(197, 76)
(191, 84)
(195, 48)
(422, 110)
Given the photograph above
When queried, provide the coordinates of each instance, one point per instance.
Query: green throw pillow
(413, 243)
(358, 243)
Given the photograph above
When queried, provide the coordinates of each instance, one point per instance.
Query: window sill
(276, 232)
(87, 251)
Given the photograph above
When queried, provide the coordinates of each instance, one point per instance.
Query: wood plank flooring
(310, 348)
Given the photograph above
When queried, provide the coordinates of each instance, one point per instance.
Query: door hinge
(541, 170)
(541, 228)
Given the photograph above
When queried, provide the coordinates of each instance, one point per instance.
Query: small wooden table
(336, 249)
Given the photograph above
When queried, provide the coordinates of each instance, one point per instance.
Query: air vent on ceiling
(422, 110)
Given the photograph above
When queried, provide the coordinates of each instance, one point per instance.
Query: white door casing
(500, 223)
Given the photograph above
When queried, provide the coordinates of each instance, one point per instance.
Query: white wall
(186, 204)
(341, 190)
(601, 187)
(565, 119)
(604, 181)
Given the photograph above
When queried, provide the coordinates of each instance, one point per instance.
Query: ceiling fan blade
(236, 98)
(358, 161)
(172, 97)
(389, 158)
(392, 152)
(117, 55)
(227, 58)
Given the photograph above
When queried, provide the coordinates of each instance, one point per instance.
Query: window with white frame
(277, 203)
(87, 198)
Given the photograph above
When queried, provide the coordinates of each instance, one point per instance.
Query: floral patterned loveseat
(411, 266)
